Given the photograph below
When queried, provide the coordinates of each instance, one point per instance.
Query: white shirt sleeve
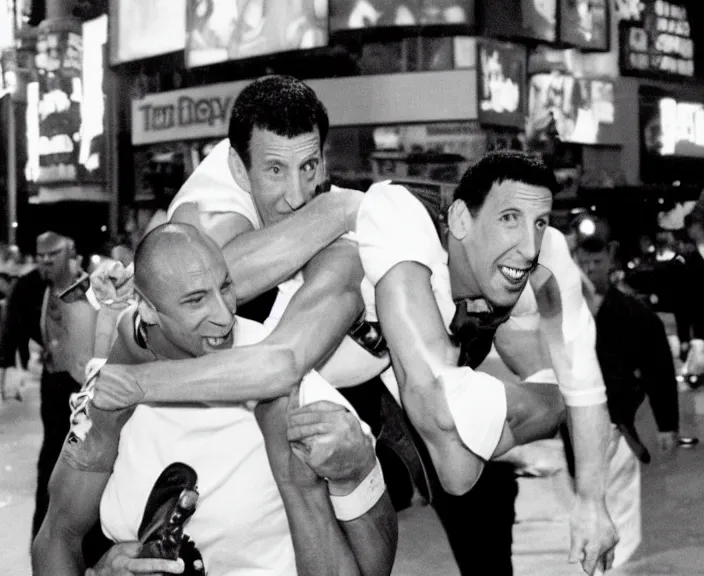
(580, 377)
(214, 190)
(394, 227)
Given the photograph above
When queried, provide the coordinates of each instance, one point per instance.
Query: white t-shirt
(393, 226)
(240, 525)
(213, 188)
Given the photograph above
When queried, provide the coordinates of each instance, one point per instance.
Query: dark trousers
(55, 391)
(479, 524)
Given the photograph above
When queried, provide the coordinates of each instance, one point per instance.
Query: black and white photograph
(351, 287)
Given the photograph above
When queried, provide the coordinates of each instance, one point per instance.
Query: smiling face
(193, 298)
(284, 172)
(501, 242)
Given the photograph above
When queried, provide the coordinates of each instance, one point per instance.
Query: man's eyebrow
(193, 293)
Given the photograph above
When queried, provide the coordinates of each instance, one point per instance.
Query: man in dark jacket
(66, 334)
(633, 351)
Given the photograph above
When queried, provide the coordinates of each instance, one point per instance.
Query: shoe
(171, 503)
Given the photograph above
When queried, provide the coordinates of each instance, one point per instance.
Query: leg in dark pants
(479, 524)
(55, 413)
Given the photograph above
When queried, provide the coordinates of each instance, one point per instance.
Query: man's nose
(296, 193)
(528, 246)
(221, 314)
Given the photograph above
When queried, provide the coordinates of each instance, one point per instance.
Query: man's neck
(462, 283)
(62, 282)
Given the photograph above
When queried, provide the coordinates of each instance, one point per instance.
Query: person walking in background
(633, 351)
(66, 333)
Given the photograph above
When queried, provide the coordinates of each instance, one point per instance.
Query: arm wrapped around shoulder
(477, 403)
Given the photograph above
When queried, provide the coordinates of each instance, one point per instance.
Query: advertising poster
(222, 30)
(55, 100)
(575, 109)
(531, 19)
(585, 23)
(672, 138)
(146, 28)
(501, 79)
(91, 157)
(355, 14)
(656, 40)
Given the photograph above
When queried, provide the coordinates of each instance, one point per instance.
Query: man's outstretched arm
(313, 325)
(571, 338)
(259, 260)
(464, 417)
(362, 543)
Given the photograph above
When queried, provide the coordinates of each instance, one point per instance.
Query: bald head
(169, 252)
(50, 241)
(54, 252)
(182, 278)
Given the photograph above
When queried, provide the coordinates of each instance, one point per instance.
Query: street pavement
(672, 509)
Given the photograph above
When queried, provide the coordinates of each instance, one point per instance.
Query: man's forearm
(318, 541)
(373, 538)
(590, 429)
(261, 259)
(257, 372)
(54, 555)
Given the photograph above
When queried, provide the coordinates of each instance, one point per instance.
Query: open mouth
(515, 276)
(223, 342)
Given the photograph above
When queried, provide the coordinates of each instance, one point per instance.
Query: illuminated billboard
(657, 40)
(222, 30)
(146, 28)
(501, 80)
(356, 14)
(585, 23)
(531, 19)
(675, 129)
(579, 110)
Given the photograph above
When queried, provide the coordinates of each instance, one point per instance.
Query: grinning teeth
(215, 341)
(513, 273)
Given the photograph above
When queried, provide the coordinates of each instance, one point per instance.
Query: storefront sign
(658, 45)
(184, 114)
(383, 99)
(501, 80)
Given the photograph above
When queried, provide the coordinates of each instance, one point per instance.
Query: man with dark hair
(246, 519)
(270, 220)
(432, 297)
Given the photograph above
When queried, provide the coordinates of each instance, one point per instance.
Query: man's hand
(116, 388)
(329, 439)
(121, 560)
(667, 441)
(592, 536)
(11, 381)
(288, 469)
(113, 284)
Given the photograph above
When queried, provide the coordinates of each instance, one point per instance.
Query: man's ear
(459, 220)
(238, 170)
(147, 312)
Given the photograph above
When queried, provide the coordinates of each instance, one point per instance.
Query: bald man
(253, 513)
(65, 331)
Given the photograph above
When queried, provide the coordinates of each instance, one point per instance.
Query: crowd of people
(234, 395)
